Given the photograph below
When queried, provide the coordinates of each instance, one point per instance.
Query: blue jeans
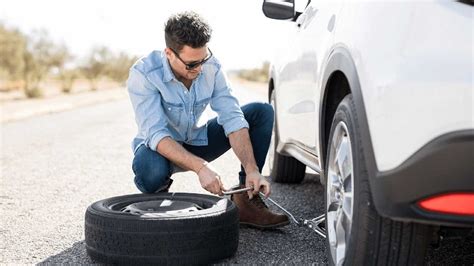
(153, 171)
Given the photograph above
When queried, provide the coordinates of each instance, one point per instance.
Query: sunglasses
(194, 64)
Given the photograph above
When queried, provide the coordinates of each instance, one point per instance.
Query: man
(169, 91)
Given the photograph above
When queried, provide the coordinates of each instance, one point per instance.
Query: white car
(378, 98)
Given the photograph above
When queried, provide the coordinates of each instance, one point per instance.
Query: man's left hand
(258, 182)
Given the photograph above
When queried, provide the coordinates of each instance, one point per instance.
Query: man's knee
(151, 180)
(268, 112)
(151, 171)
(258, 113)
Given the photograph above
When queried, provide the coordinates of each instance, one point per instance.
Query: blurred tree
(12, 48)
(67, 77)
(59, 61)
(256, 74)
(30, 59)
(119, 65)
(96, 65)
(40, 57)
(60, 56)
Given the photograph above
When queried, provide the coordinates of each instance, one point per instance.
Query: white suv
(378, 98)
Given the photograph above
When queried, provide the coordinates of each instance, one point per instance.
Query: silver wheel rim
(339, 193)
(271, 149)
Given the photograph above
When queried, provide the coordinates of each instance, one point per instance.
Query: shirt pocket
(200, 105)
(174, 112)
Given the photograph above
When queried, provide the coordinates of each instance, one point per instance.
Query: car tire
(162, 229)
(283, 169)
(361, 234)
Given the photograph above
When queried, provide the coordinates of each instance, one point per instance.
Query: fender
(341, 60)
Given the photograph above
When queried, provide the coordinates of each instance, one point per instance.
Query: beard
(192, 75)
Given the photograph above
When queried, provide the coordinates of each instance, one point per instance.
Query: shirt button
(169, 108)
(186, 92)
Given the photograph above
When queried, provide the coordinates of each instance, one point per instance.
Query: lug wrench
(316, 224)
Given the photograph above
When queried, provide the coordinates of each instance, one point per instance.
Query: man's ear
(168, 53)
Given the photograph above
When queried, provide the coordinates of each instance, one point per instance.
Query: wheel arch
(341, 72)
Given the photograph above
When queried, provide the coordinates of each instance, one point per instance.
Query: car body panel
(415, 69)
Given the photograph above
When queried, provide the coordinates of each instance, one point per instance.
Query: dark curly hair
(187, 28)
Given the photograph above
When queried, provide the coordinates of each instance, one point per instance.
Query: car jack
(316, 224)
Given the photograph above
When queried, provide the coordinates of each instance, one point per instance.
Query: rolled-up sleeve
(226, 105)
(149, 115)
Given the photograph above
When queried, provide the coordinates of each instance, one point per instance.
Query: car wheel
(283, 169)
(356, 233)
(162, 229)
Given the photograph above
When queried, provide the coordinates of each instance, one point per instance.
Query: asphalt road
(54, 166)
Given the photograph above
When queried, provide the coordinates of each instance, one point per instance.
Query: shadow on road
(73, 255)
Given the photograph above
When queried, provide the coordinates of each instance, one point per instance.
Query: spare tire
(162, 228)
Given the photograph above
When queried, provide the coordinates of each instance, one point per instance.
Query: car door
(298, 98)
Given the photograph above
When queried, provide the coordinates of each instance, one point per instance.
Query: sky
(242, 36)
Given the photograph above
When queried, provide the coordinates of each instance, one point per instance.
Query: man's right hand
(210, 180)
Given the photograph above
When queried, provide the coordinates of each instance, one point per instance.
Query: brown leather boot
(255, 213)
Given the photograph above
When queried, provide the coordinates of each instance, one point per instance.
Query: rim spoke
(334, 180)
(346, 224)
(332, 228)
(346, 205)
(335, 142)
(342, 157)
(346, 166)
(340, 237)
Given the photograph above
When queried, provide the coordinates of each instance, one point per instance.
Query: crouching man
(169, 90)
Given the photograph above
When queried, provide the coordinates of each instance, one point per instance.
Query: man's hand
(258, 182)
(240, 143)
(210, 180)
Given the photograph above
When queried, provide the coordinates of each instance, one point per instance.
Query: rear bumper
(444, 165)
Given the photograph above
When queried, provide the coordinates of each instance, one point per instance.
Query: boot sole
(263, 227)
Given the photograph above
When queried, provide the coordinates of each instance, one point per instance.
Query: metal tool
(237, 190)
(316, 224)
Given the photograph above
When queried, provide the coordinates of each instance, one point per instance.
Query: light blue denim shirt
(165, 107)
